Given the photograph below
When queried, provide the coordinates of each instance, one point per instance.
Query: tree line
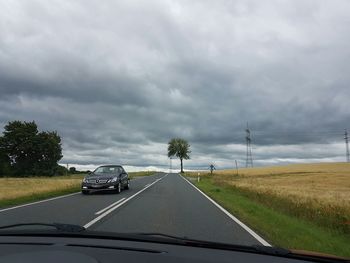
(24, 151)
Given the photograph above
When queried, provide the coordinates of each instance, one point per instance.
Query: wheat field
(325, 182)
(319, 192)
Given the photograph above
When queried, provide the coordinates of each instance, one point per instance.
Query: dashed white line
(108, 207)
(120, 204)
(245, 227)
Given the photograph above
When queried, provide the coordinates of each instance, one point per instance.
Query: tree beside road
(180, 148)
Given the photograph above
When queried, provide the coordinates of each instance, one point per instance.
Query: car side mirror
(89, 172)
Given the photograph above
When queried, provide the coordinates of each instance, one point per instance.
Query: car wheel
(127, 185)
(119, 188)
(85, 192)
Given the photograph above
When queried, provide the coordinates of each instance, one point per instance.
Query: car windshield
(224, 121)
(107, 170)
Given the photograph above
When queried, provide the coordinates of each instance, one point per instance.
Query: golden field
(326, 183)
(318, 192)
(12, 188)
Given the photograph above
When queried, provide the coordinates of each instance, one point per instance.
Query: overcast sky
(118, 79)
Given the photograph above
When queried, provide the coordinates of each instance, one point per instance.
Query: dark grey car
(106, 178)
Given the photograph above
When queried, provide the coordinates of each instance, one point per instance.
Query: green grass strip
(277, 227)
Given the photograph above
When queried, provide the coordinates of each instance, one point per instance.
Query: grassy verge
(278, 227)
(318, 192)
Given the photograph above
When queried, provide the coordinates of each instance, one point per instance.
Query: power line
(297, 131)
(293, 135)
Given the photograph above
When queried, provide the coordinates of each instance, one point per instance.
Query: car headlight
(113, 180)
(85, 180)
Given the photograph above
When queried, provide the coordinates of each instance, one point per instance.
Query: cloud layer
(118, 79)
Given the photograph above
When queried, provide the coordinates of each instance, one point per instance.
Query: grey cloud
(112, 77)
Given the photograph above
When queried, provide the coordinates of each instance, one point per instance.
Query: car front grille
(93, 181)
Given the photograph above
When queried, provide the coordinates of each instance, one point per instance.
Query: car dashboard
(87, 250)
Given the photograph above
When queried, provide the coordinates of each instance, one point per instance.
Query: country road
(162, 203)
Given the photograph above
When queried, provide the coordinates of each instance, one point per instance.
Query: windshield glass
(107, 170)
(227, 121)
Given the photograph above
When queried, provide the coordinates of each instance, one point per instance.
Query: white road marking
(245, 227)
(120, 204)
(106, 208)
(147, 185)
(38, 202)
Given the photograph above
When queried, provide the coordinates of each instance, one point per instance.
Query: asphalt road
(162, 203)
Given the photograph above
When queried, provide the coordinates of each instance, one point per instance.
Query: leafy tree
(18, 143)
(29, 152)
(5, 164)
(49, 152)
(180, 148)
(72, 170)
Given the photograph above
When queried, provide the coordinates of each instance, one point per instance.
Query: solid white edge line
(244, 226)
(38, 202)
(106, 208)
(120, 204)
